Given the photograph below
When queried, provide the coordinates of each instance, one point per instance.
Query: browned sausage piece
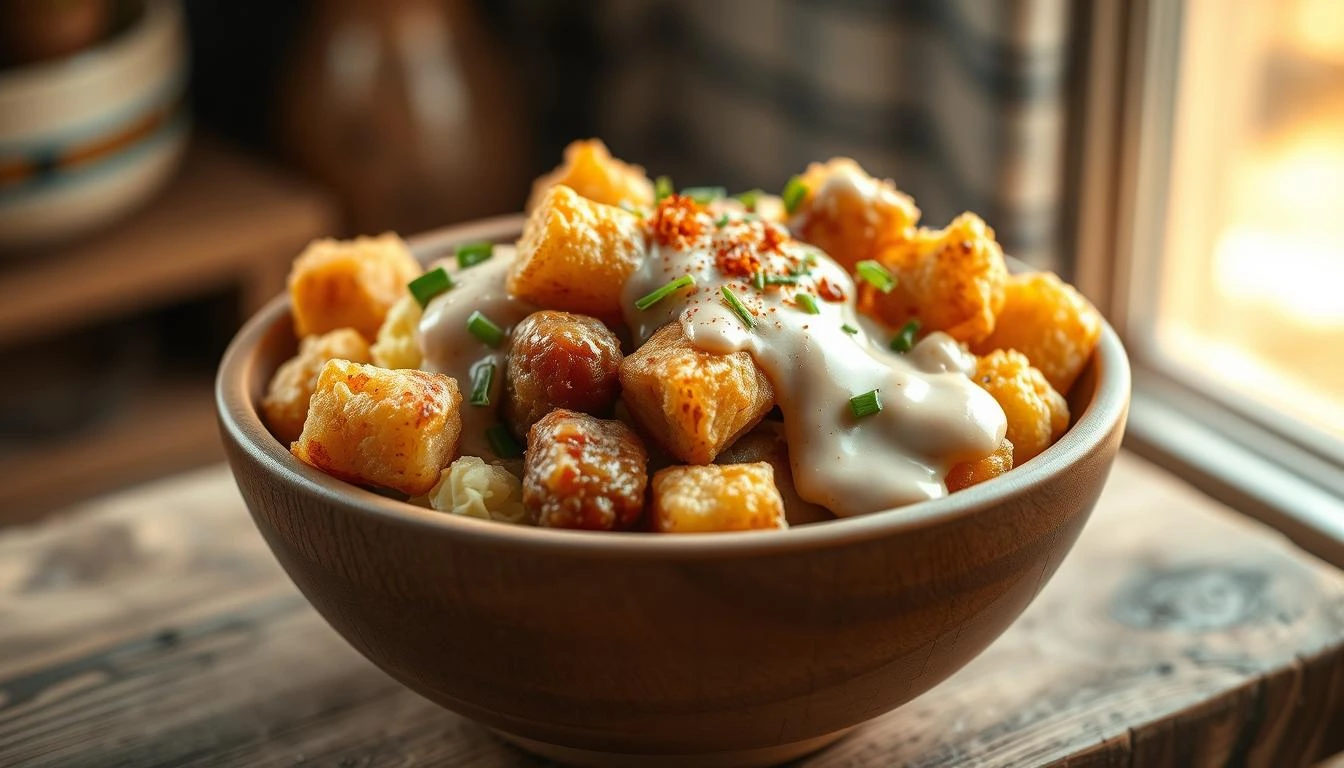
(584, 472)
(560, 360)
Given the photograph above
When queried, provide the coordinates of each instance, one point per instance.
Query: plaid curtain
(962, 102)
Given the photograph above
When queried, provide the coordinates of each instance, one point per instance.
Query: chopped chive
(429, 285)
(781, 279)
(758, 280)
(471, 254)
(807, 303)
(866, 404)
(704, 195)
(738, 308)
(750, 198)
(722, 222)
(663, 291)
(876, 275)
(847, 328)
(481, 378)
(484, 328)
(503, 443)
(793, 194)
(904, 340)
(662, 187)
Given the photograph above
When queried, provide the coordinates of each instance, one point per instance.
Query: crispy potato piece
(590, 170)
(285, 405)
(584, 472)
(560, 360)
(767, 443)
(398, 344)
(1050, 322)
(575, 255)
(1037, 414)
(950, 280)
(970, 473)
(716, 497)
(374, 426)
(472, 488)
(349, 284)
(849, 214)
(695, 402)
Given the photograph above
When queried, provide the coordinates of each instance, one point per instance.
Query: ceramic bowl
(717, 649)
(87, 138)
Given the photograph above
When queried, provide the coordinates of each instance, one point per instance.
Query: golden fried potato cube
(1050, 322)
(590, 170)
(716, 497)
(851, 215)
(285, 405)
(768, 443)
(950, 280)
(375, 426)
(349, 284)
(695, 402)
(560, 360)
(1037, 414)
(584, 472)
(575, 254)
(398, 341)
(970, 473)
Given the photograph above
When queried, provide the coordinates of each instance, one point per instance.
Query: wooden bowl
(721, 649)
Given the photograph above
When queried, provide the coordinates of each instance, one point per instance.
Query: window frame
(1278, 471)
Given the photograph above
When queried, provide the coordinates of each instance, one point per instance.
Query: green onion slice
(485, 329)
(758, 280)
(781, 279)
(431, 284)
(481, 378)
(722, 221)
(471, 254)
(750, 198)
(793, 194)
(704, 195)
(738, 307)
(663, 291)
(662, 187)
(503, 443)
(866, 404)
(876, 275)
(904, 340)
(807, 303)
(847, 328)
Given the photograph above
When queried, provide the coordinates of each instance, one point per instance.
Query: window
(1211, 227)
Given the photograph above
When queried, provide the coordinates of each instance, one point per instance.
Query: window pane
(1251, 293)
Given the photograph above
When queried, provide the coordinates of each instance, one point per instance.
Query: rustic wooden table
(153, 628)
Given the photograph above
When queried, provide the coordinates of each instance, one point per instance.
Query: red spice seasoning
(828, 291)
(677, 222)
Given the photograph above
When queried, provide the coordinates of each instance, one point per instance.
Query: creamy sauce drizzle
(932, 415)
(448, 348)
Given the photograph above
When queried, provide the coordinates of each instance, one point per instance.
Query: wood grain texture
(155, 629)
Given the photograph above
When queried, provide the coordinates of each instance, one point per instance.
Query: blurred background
(161, 161)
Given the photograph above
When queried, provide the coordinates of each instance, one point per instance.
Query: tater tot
(949, 280)
(349, 284)
(560, 360)
(1036, 413)
(398, 341)
(695, 402)
(767, 443)
(715, 497)
(575, 255)
(584, 472)
(285, 405)
(1050, 322)
(590, 170)
(375, 426)
(970, 473)
(849, 214)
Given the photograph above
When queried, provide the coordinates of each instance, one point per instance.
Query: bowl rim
(241, 423)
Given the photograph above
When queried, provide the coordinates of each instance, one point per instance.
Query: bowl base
(737, 758)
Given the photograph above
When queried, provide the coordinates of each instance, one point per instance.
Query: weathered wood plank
(154, 629)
